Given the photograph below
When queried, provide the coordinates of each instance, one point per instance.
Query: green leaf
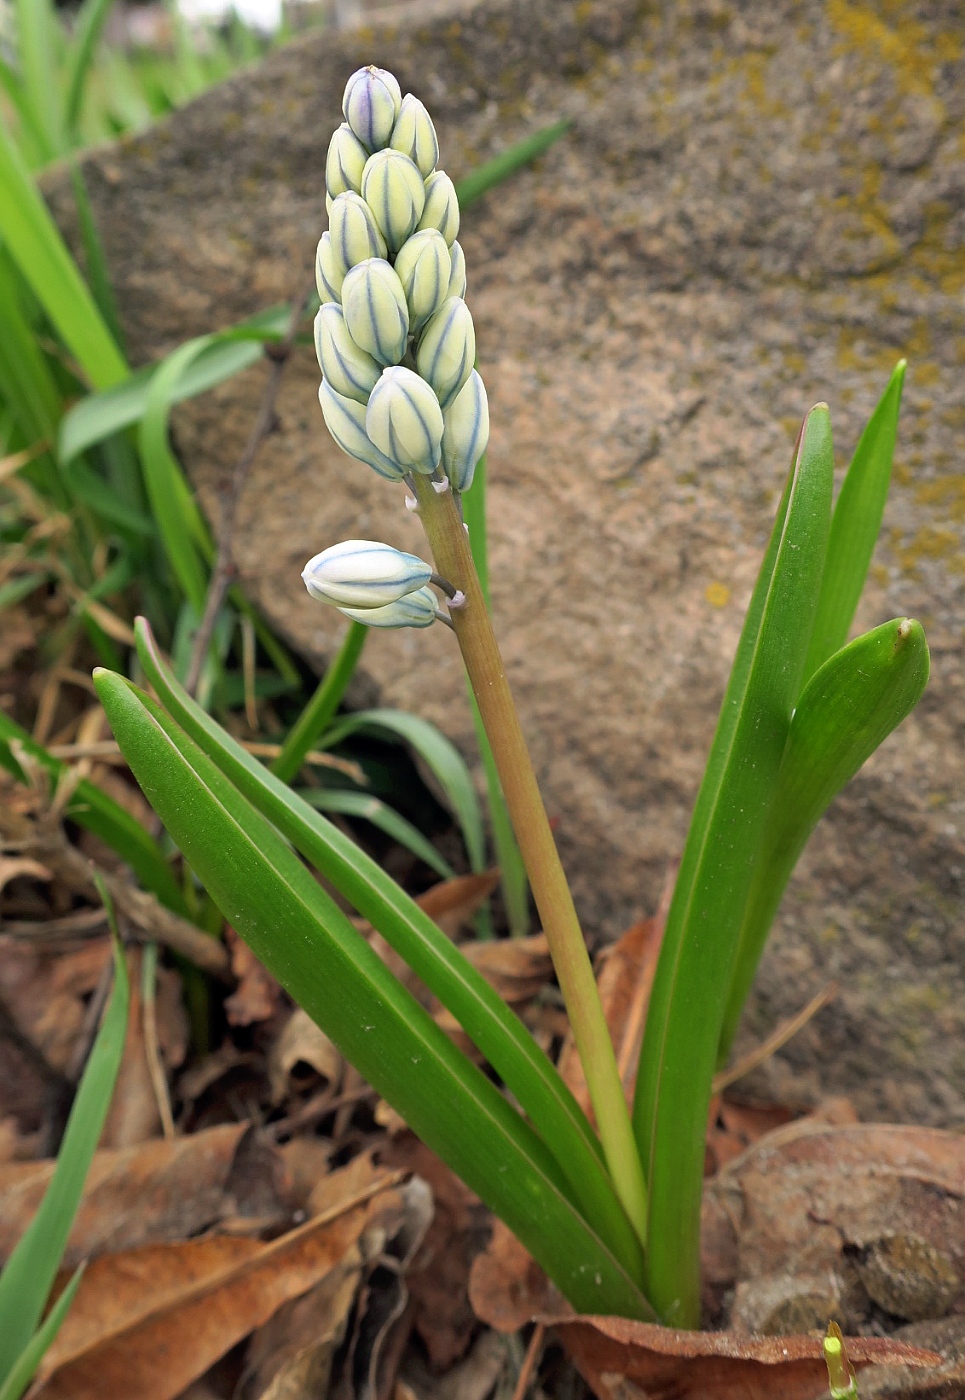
(442, 758)
(24, 1368)
(483, 1015)
(95, 493)
(26, 1280)
(494, 171)
(20, 588)
(26, 382)
(686, 1005)
(847, 709)
(36, 38)
(100, 416)
(855, 526)
(380, 814)
(321, 708)
(87, 30)
(92, 809)
(311, 947)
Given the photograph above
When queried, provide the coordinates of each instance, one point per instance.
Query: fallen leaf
(518, 968)
(290, 1356)
(47, 993)
(134, 1115)
(12, 867)
(301, 1041)
(450, 903)
(306, 1162)
(257, 997)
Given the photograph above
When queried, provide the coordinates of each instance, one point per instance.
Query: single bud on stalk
(465, 432)
(355, 234)
(441, 209)
(349, 370)
(371, 104)
(457, 277)
(364, 574)
(424, 268)
(345, 162)
(396, 194)
(415, 136)
(447, 349)
(329, 272)
(375, 310)
(414, 610)
(345, 420)
(404, 420)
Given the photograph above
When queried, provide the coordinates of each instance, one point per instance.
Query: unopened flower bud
(404, 420)
(447, 349)
(415, 136)
(355, 234)
(465, 432)
(375, 311)
(418, 609)
(441, 208)
(329, 271)
(345, 420)
(348, 369)
(457, 278)
(424, 268)
(345, 162)
(364, 574)
(396, 193)
(371, 105)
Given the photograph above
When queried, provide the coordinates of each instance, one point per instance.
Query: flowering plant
(612, 1212)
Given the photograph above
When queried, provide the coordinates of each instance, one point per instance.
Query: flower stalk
(449, 545)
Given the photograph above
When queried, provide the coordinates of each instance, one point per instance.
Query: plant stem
(453, 559)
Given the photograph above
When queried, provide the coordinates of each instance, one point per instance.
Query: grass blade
(87, 31)
(24, 1368)
(847, 709)
(442, 758)
(31, 1268)
(496, 1032)
(855, 526)
(684, 1019)
(380, 814)
(36, 38)
(311, 947)
(474, 185)
(321, 708)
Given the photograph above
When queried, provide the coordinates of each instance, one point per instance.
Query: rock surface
(760, 205)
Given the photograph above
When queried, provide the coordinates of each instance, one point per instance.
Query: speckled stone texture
(760, 205)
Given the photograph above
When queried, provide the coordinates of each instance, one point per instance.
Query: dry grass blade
(779, 1037)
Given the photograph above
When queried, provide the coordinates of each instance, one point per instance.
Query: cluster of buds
(394, 336)
(376, 584)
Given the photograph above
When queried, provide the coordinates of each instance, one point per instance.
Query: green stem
(453, 560)
(315, 717)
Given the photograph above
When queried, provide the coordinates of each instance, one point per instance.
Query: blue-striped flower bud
(329, 271)
(447, 349)
(404, 420)
(418, 609)
(465, 432)
(345, 162)
(441, 209)
(355, 234)
(424, 268)
(457, 277)
(375, 311)
(415, 136)
(348, 369)
(371, 105)
(395, 192)
(364, 574)
(345, 420)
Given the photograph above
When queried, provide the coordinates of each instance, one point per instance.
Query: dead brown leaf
(301, 1041)
(134, 1115)
(517, 968)
(12, 867)
(451, 903)
(46, 993)
(257, 996)
(290, 1356)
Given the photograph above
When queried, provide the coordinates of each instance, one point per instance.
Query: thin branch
(278, 353)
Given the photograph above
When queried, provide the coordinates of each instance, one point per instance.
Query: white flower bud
(441, 209)
(375, 311)
(345, 420)
(371, 104)
(424, 268)
(329, 271)
(396, 194)
(364, 574)
(465, 432)
(349, 370)
(457, 278)
(345, 162)
(355, 234)
(447, 349)
(415, 136)
(404, 420)
(418, 609)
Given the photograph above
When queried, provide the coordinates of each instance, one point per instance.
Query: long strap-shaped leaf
(489, 1023)
(846, 710)
(303, 938)
(684, 1017)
